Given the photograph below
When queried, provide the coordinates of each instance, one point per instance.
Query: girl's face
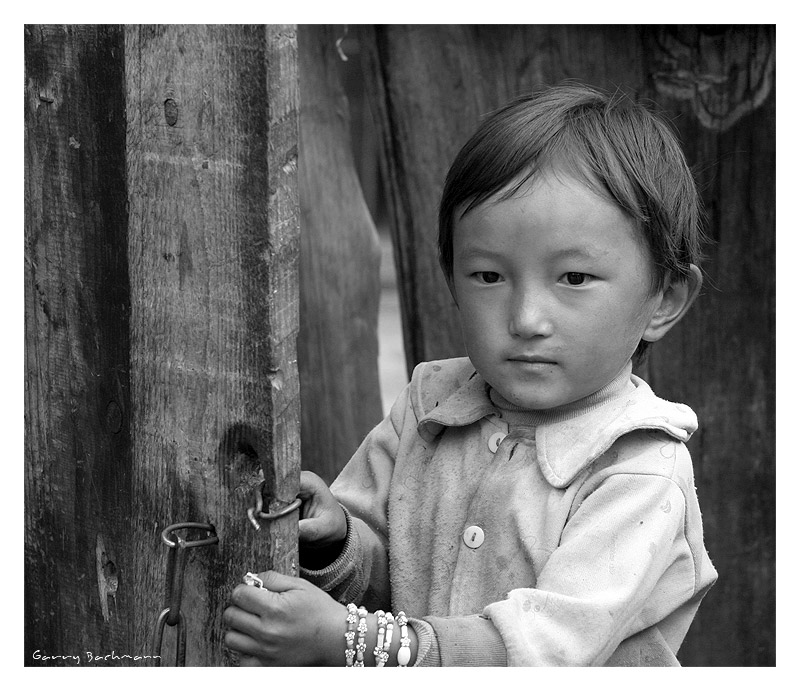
(553, 290)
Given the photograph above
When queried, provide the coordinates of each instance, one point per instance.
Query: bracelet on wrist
(404, 653)
(387, 642)
(361, 645)
(356, 634)
(350, 635)
(381, 656)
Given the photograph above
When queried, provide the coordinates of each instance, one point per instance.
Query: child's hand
(322, 520)
(289, 623)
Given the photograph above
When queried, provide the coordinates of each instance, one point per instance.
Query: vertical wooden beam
(414, 159)
(213, 247)
(340, 262)
(78, 556)
(281, 460)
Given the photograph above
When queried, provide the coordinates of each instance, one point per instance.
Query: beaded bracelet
(387, 643)
(380, 656)
(350, 635)
(354, 656)
(404, 653)
(361, 646)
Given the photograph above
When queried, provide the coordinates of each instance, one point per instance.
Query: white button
(494, 441)
(473, 537)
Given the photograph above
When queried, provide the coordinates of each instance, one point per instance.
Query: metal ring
(158, 635)
(282, 512)
(210, 540)
(254, 513)
(176, 566)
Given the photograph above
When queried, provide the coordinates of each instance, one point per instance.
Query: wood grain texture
(429, 88)
(339, 269)
(213, 250)
(719, 84)
(78, 557)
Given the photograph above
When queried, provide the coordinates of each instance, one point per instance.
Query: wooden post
(78, 555)
(339, 269)
(431, 85)
(161, 305)
(213, 247)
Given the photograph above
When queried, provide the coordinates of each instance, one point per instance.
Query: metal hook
(255, 513)
(171, 615)
(212, 539)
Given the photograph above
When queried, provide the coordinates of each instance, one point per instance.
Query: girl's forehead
(574, 176)
(550, 217)
(547, 196)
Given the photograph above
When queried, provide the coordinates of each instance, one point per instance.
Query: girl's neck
(520, 417)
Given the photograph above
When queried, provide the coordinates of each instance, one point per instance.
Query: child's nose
(530, 317)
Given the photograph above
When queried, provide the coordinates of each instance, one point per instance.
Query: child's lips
(533, 359)
(533, 364)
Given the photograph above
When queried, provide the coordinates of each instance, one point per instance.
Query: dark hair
(622, 149)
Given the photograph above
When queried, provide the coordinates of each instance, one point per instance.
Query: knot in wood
(113, 417)
(171, 112)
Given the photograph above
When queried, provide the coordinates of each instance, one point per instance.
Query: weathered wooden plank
(213, 248)
(719, 84)
(430, 85)
(78, 558)
(339, 268)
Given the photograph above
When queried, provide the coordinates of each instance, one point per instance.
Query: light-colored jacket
(549, 545)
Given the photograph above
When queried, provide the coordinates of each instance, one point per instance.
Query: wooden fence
(167, 173)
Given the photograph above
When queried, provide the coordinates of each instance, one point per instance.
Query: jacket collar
(467, 404)
(564, 448)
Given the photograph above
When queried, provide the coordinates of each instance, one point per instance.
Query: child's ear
(676, 298)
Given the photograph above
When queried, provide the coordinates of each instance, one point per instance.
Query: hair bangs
(621, 149)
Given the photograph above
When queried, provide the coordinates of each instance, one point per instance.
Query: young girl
(534, 503)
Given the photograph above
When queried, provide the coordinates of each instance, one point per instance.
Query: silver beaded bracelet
(361, 646)
(356, 647)
(387, 643)
(381, 656)
(350, 635)
(404, 654)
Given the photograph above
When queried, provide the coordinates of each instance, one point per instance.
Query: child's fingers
(250, 661)
(312, 529)
(242, 644)
(310, 484)
(280, 583)
(243, 620)
(252, 600)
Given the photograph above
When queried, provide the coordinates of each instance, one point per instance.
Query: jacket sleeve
(361, 573)
(475, 642)
(623, 564)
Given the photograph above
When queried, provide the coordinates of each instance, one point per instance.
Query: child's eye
(487, 276)
(575, 278)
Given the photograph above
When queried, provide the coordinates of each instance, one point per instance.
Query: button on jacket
(576, 540)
